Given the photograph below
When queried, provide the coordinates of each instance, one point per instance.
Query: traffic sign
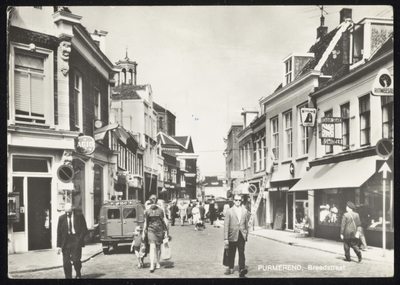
(385, 169)
(380, 163)
(383, 84)
(384, 148)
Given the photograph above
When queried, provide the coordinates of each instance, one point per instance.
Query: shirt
(238, 212)
(72, 223)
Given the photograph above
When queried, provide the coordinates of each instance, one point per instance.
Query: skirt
(155, 237)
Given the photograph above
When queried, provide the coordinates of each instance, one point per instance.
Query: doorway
(290, 211)
(39, 213)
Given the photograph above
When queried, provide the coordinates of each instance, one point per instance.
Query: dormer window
(368, 36)
(288, 71)
(293, 64)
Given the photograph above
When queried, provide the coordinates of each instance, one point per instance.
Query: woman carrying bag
(156, 231)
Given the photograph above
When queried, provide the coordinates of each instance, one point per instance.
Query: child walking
(138, 246)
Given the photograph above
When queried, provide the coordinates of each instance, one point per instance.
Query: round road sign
(384, 148)
(65, 173)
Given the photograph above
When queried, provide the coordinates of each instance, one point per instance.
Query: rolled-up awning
(344, 174)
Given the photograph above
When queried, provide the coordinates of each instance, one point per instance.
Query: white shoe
(158, 266)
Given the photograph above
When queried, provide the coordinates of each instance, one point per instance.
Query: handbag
(225, 260)
(357, 234)
(165, 250)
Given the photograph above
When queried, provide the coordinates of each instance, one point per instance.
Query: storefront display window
(332, 205)
(371, 212)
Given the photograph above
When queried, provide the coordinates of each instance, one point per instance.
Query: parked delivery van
(118, 219)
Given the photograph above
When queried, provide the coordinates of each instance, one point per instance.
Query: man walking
(235, 233)
(202, 214)
(71, 231)
(174, 209)
(350, 223)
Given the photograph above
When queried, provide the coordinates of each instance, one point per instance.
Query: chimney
(345, 14)
(321, 31)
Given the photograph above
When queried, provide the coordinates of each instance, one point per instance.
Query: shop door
(39, 211)
(290, 211)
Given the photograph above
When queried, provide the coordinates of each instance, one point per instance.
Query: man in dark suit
(235, 233)
(71, 232)
(350, 223)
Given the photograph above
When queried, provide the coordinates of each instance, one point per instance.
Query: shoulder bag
(357, 234)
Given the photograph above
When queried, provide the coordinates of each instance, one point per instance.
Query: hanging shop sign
(85, 144)
(383, 84)
(308, 116)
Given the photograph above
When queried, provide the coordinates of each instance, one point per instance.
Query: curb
(52, 267)
(309, 247)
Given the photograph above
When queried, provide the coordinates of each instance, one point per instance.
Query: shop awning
(243, 188)
(344, 174)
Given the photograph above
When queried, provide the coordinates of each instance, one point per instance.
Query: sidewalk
(45, 259)
(291, 238)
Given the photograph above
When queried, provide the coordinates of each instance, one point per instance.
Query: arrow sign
(385, 168)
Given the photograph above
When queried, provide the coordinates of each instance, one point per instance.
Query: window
(288, 71)
(387, 117)
(303, 134)
(173, 175)
(258, 151)
(30, 164)
(275, 137)
(77, 101)
(113, 214)
(30, 74)
(288, 135)
(328, 148)
(97, 106)
(365, 124)
(129, 213)
(345, 114)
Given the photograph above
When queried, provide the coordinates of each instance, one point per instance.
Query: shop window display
(332, 206)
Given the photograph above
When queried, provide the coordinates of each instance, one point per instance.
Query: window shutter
(37, 90)
(21, 92)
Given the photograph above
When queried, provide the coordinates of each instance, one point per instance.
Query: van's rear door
(129, 220)
(114, 224)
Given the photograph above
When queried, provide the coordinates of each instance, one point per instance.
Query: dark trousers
(233, 245)
(72, 252)
(353, 243)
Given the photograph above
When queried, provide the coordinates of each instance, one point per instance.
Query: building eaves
(183, 140)
(83, 32)
(126, 92)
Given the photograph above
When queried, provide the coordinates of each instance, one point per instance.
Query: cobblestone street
(198, 254)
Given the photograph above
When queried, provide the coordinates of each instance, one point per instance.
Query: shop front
(334, 184)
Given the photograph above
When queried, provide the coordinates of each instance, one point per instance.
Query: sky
(206, 63)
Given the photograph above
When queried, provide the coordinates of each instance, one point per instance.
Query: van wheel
(105, 249)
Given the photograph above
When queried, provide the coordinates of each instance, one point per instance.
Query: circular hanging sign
(85, 144)
(65, 173)
(291, 168)
(252, 188)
